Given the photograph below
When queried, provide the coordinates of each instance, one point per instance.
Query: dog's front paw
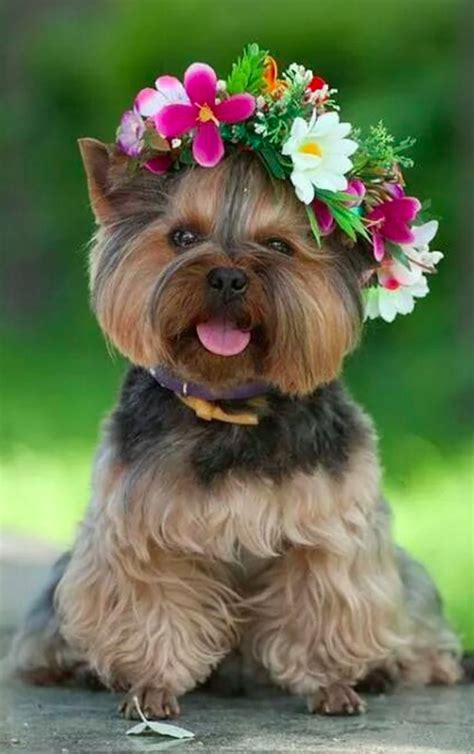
(156, 704)
(337, 699)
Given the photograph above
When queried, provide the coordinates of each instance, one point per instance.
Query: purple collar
(168, 380)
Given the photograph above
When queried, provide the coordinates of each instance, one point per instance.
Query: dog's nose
(228, 280)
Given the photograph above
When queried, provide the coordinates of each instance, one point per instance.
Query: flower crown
(292, 123)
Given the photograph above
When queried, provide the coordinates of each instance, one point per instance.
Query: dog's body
(206, 536)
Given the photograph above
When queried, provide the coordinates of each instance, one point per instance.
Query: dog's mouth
(221, 336)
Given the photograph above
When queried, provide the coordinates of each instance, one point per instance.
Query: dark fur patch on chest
(296, 434)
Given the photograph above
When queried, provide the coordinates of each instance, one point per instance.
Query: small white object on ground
(161, 729)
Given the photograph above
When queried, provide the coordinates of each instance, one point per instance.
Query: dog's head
(215, 274)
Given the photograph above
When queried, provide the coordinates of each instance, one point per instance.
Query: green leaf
(186, 157)
(138, 729)
(425, 205)
(398, 254)
(345, 224)
(160, 729)
(272, 162)
(147, 727)
(379, 150)
(313, 223)
(348, 220)
(334, 197)
(247, 73)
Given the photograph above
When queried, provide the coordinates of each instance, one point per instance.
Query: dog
(236, 496)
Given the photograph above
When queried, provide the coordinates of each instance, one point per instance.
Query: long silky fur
(201, 538)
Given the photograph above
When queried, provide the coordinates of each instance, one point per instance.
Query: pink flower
(396, 190)
(159, 164)
(203, 114)
(169, 90)
(324, 215)
(130, 138)
(389, 222)
(324, 218)
(130, 133)
(357, 189)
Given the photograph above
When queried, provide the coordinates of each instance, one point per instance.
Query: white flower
(419, 250)
(260, 102)
(386, 303)
(399, 286)
(260, 128)
(320, 154)
(298, 74)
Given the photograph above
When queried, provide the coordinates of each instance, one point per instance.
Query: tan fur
(158, 589)
(162, 506)
(433, 652)
(148, 577)
(325, 612)
(141, 614)
(306, 313)
(168, 574)
(125, 295)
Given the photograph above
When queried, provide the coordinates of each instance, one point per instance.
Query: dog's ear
(103, 166)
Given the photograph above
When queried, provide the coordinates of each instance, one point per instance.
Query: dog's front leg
(183, 625)
(320, 620)
(155, 631)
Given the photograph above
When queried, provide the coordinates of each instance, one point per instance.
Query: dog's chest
(249, 517)
(302, 477)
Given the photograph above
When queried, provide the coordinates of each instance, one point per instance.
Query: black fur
(295, 433)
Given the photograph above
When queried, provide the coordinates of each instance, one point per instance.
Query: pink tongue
(221, 337)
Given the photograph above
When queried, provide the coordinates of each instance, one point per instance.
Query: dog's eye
(278, 244)
(183, 238)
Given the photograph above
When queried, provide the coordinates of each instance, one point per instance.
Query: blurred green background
(72, 67)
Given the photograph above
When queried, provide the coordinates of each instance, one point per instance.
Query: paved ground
(74, 721)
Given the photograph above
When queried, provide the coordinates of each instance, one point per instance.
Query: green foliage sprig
(247, 73)
(379, 153)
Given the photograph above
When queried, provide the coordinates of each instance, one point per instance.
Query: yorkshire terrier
(236, 499)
